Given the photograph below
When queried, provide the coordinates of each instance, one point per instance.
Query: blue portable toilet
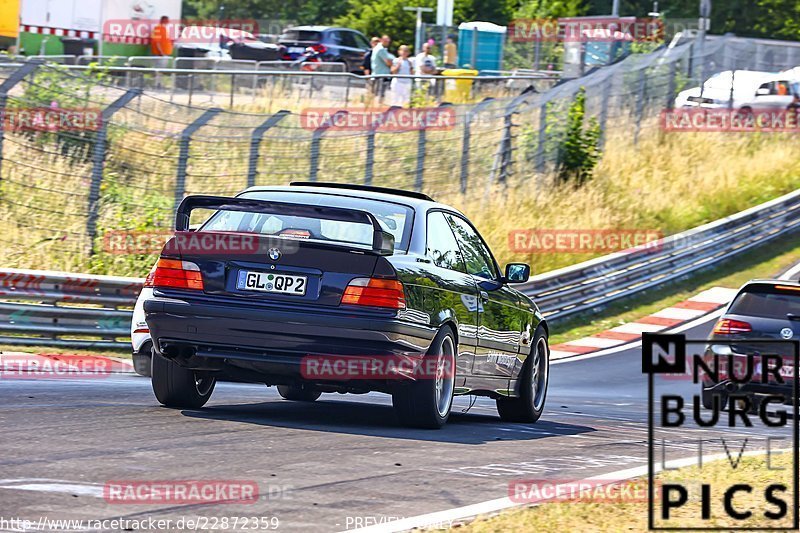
(480, 45)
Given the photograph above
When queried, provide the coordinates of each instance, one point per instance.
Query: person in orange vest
(160, 42)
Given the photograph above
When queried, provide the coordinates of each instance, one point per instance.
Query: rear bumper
(273, 342)
(742, 375)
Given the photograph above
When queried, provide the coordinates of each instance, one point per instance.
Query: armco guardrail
(594, 283)
(61, 309)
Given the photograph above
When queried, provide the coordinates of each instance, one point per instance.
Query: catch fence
(65, 193)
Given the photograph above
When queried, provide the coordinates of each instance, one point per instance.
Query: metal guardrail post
(540, 142)
(604, 110)
(98, 163)
(183, 153)
(640, 96)
(255, 144)
(13, 79)
(465, 143)
(369, 164)
(673, 73)
(316, 138)
(419, 173)
(503, 169)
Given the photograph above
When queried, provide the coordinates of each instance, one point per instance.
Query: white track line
(791, 273)
(457, 515)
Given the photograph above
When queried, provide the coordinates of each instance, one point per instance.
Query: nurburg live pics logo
(685, 424)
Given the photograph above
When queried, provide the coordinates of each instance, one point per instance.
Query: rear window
(393, 218)
(300, 36)
(767, 301)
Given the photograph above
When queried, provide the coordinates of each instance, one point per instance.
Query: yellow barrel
(457, 91)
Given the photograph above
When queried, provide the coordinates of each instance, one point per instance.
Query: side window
(335, 37)
(348, 39)
(477, 257)
(441, 245)
(361, 41)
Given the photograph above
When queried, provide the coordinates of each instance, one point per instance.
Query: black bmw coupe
(321, 288)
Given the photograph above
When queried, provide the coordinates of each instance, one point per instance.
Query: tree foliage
(778, 19)
(579, 151)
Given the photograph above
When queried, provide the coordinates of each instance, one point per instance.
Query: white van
(747, 89)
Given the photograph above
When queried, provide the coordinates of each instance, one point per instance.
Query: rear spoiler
(382, 241)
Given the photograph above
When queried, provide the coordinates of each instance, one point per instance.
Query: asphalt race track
(336, 464)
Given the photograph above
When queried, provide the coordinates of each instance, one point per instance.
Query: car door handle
(484, 296)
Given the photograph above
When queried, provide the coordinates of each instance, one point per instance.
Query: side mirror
(385, 243)
(517, 272)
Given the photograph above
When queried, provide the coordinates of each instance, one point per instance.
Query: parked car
(341, 273)
(225, 43)
(341, 45)
(743, 90)
(763, 310)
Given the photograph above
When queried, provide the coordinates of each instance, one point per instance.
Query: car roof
(313, 27)
(792, 282)
(417, 203)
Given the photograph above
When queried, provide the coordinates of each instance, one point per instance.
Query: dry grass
(614, 517)
(669, 182)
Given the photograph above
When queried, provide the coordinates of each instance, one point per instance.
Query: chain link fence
(64, 193)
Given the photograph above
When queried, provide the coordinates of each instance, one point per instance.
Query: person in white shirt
(401, 87)
(424, 62)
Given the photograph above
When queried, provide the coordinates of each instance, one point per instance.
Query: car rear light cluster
(175, 274)
(375, 292)
(728, 326)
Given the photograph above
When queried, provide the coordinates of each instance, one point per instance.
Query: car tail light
(175, 274)
(148, 281)
(787, 288)
(727, 326)
(375, 292)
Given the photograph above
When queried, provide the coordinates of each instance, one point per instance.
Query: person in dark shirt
(366, 65)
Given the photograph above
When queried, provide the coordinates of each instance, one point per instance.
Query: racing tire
(178, 387)
(297, 394)
(529, 405)
(707, 397)
(426, 403)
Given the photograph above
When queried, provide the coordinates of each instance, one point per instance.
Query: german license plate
(270, 282)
